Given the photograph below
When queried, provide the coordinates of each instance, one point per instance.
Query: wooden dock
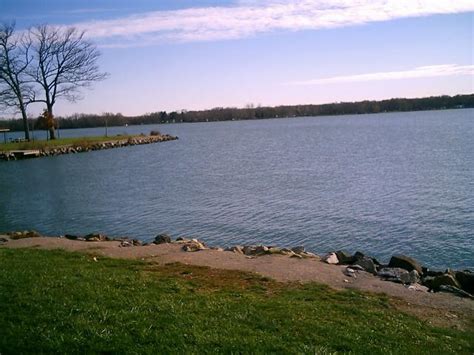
(20, 154)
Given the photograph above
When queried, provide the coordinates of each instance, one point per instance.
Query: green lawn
(54, 301)
(41, 144)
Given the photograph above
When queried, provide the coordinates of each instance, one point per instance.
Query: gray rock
(414, 276)
(434, 283)
(405, 262)
(194, 245)
(296, 256)
(397, 275)
(344, 257)
(356, 267)
(298, 249)
(71, 237)
(466, 280)
(235, 249)
(348, 271)
(261, 249)
(96, 237)
(162, 239)
(456, 291)
(366, 263)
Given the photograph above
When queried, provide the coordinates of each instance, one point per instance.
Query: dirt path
(438, 308)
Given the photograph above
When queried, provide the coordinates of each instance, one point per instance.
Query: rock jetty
(400, 269)
(85, 147)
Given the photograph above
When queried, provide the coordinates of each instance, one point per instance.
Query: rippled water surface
(382, 184)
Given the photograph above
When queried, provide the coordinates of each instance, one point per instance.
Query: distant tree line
(250, 112)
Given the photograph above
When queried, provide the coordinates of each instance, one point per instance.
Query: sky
(167, 55)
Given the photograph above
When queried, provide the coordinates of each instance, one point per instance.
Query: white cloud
(419, 72)
(251, 17)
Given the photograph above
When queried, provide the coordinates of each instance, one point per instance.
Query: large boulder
(367, 264)
(344, 257)
(398, 275)
(435, 283)
(162, 239)
(405, 262)
(331, 258)
(466, 280)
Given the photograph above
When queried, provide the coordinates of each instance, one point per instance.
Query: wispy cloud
(419, 72)
(251, 17)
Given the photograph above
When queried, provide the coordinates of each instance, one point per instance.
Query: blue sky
(182, 54)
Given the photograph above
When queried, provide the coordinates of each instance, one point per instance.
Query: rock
(95, 237)
(466, 280)
(181, 240)
(331, 258)
(298, 249)
(3, 240)
(397, 275)
(358, 255)
(344, 257)
(367, 263)
(307, 254)
(417, 287)
(194, 245)
(71, 237)
(136, 242)
(162, 239)
(275, 250)
(261, 250)
(405, 262)
(24, 234)
(217, 249)
(434, 283)
(456, 291)
(297, 256)
(248, 250)
(356, 267)
(125, 243)
(428, 272)
(235, 249)
(349, 272)
(414, 276)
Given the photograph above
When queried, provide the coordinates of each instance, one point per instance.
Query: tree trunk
(52, 132)
(25, 121)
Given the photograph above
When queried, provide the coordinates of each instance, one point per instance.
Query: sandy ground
(437, 308)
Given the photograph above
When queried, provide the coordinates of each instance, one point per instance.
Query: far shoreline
(251, 113)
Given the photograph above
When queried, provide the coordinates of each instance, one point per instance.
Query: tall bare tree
(64, 62)
(15, 89)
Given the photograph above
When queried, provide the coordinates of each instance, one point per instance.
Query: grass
(56, 301)
(76, 141)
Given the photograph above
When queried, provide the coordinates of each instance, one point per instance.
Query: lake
(380, 183)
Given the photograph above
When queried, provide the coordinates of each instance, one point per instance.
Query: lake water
(383, 184)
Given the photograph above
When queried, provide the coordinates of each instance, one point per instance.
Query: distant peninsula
(251, 112)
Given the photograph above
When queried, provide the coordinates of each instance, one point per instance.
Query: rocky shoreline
(400, 269)
(85, 147)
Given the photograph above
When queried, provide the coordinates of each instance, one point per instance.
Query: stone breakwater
(84, 147)
(400, 269)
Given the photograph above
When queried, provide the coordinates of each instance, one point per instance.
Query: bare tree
(64, 62)
(15, 89)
